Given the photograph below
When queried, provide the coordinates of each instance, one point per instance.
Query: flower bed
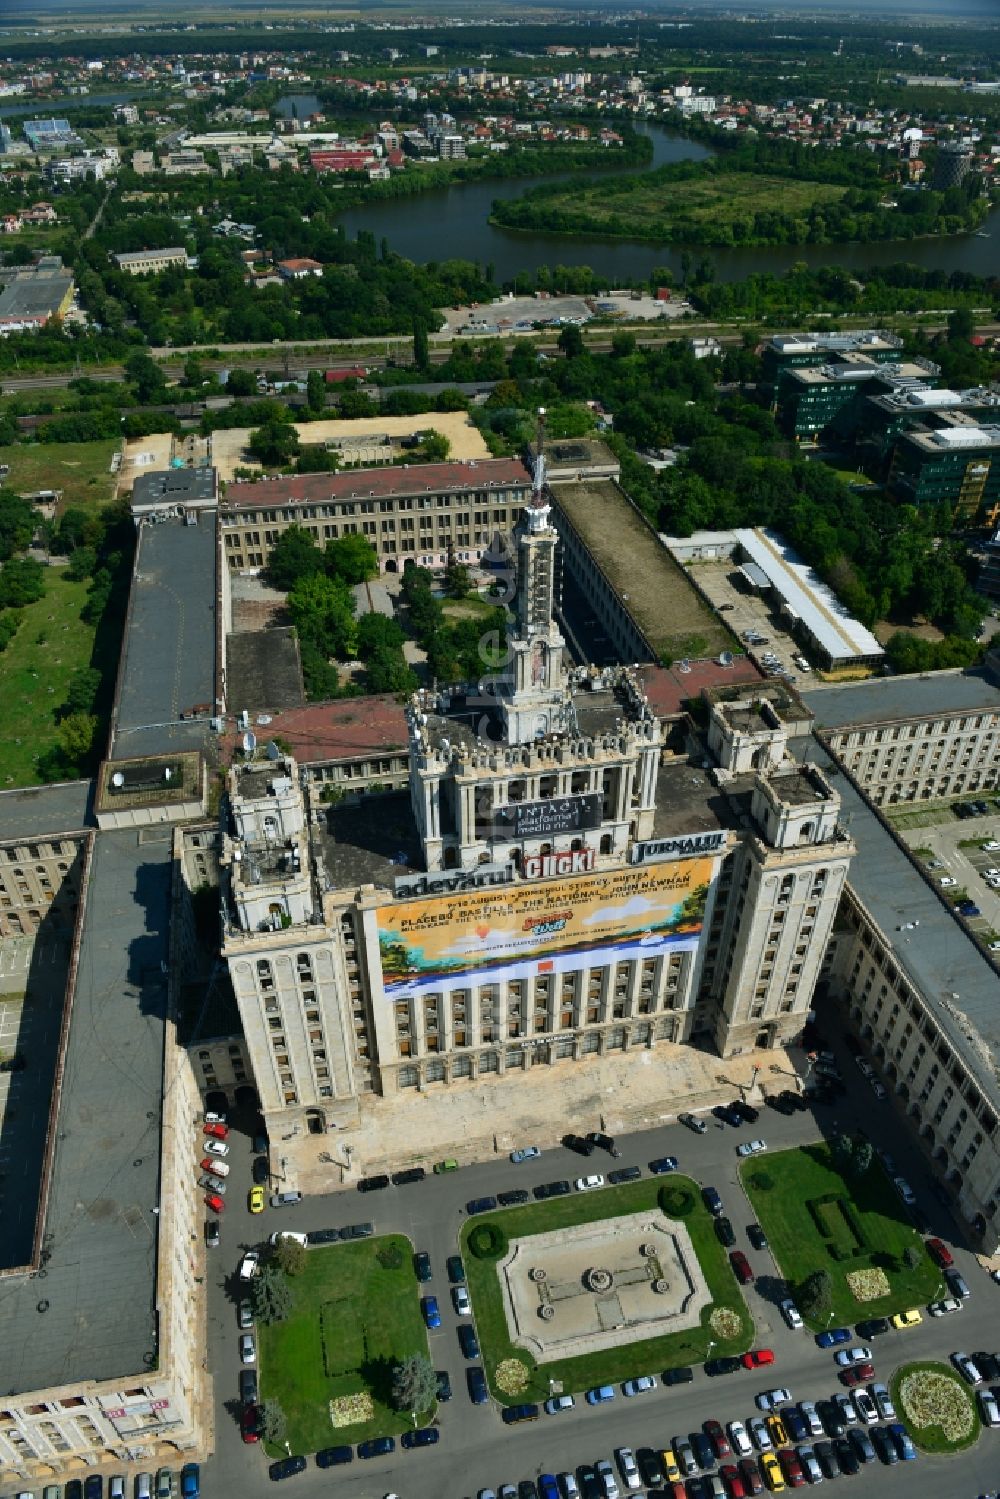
(724, 1323)
(868, 1285)
(511, 1376)
(937, 1408)
(350, 1410)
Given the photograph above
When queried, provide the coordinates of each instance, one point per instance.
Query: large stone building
(566, 876)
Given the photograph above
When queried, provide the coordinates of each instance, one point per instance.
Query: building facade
(485, 921)
(40, 882)
(923, 758)
(421, 515)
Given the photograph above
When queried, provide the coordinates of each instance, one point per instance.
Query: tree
(81, 564)
(241, 383)
(421, 351)
(21, 582)
(815, 1296)
(76, 736)
(295, 555)
(316, 391)
(377, 632)
(435, 447)
(457, 581)
(289, 1255)
(414, 1384)
(351, 558)
(843, 1149)
(912, 1257)
(17, 524)
(864, 1155)
(571, 340)
(149, 380)
(81, 691)
(322, 610)
(271, 1295)
(274, 444)
(273, 1425)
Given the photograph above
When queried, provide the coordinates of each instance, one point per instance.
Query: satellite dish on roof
(726, 658)
(118, 779)
(684, 665)
(272, 751)
(249, 742)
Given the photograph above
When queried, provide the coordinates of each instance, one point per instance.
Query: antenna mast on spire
(538, 484)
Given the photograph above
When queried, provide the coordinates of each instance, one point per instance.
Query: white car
(248, 1349)
(858, 1355)
(217, 1168)
(568, 1486)
(811, 1418)
(845, 1406)
(216, 1147)
(640, 1385)
(606, 1478)
(460, 1297)
(946, 1307)
(249, 1263)
(991, 846)
(215, 1118)
(751, 1147)
(967, 1368)
(905, 1191)
(628, 1467)
(287, 1233)
(588, 1183)
(791, 1314)
(767, 1400)
(988, 1408)
(880, 1395)
(741, 1442)
(866, 1407)
(757, 1427)
(946, 881)
(559, 1403)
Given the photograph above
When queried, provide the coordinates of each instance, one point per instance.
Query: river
(452, 222)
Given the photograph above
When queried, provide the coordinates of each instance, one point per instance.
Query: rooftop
(668, 688)
(168, 660)
(369, 843)
(35, 294)
(886, 699)
(688, 801)
(263, 670)
(97, 1316)
(958, 984)
(175, 486)
(358, 484)
(834, 629)
(348, 729)
(37, 811)
(651, 584)
(864, 339)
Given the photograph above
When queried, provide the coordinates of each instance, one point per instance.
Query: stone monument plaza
(599, 1285)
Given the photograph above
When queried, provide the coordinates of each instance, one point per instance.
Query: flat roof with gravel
(663, 603)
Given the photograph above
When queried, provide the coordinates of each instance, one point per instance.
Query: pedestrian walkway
(618, 1093)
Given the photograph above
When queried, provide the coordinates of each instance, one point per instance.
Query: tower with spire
(536, 703)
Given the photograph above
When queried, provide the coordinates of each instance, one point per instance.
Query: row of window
(301, 513)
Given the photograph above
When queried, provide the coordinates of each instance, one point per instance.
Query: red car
(733, 1479)
(757, 1358)
(214, 1202)
(940, 1252)
(220, 1131)
(858, 1374)
(791, 1468)
(750, 1474)
(741, 1267)
(250, 1423)
(720, 1442)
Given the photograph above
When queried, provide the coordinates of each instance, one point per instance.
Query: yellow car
(256, 1199)
(670, 1467)
(912, 1318)
(773, 1476)
(777, 1432)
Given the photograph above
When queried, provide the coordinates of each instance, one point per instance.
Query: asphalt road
(476, 1450)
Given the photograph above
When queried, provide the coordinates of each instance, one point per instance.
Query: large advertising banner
(488, 936)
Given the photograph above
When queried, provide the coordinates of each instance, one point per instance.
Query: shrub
(675, 1202)
(487, 1241)
(389, 1256)
(762, 1181)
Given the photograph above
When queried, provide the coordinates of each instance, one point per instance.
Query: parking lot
(752, 618)
(951, 848)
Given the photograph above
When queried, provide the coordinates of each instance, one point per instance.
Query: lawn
(864, 1222)
(937, 1406)
(35, 669)
(647, 1356)
(351, 1322)
(80, 469)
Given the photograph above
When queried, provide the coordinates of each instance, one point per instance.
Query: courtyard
(356, 1314)
(819, 1215)
(643, 1235)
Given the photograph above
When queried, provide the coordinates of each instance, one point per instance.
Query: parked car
(903, 1441)
(832, 1336)
(476, 1381)
(791, 1314)
(373, 1183)
(602, 1141)
(216, 1130)
(214, 1202)
(622, 1174)
(424, 1436)
(408, 1176)
(552, 1189)
(514, 1197)
(939, 1252)
(216, 1147)
(285, 1199)
(579, 1144)
(751, 1147)
(857, 1355)
(693, 1123)
(286, 1467)
(857, 1375)
(460, 1300)
(286, 1233)
(556, 1404)
(455, 1268)
(357, 1231)
(319, 1236)
(249, 1264)
(248, 1386)
(741, 1267)
(512, 1415)
(377, 1447)
(467, 1340)
(724, 1233)
(212, 1236)
(968, 1369)
(880, 1395)
(727, 1364)
(758, 1358)
(641, 1385)
(443, 1385)
(663, 1164)
(431, 1314)
(946, 1307)
(526, 1153)
(757, 1236)
(903, 1320)
(588, 1183)
(873, 1327)
(600, 1395)
(480, 1205)
(767, 1400)
(712, 1201)
(255, 1200)
(248, 1348)
(334, 1457)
